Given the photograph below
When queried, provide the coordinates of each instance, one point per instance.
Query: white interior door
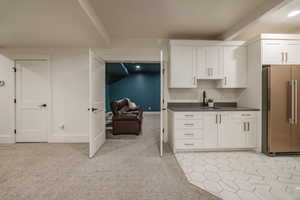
(162, 103)
(96, 104)
(32, 100)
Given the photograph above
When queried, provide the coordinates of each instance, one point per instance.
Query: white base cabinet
(213, 130)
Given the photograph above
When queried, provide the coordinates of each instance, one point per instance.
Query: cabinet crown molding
(198, 43)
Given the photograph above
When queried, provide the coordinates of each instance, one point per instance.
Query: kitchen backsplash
(195, 95)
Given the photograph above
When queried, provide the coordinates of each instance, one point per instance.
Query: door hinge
(14, 69)
(15, 131)
(15, 100)
(163, 130)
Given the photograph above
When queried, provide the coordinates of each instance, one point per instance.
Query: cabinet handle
(188, 144)
(216, 119)
(189, 134)
(189, 124)
(220, 117)
(194, 80)
(189, 115)
(248, 126)
(286, 57)
(225, 80)
(244, 126)
(210, 71)
(282, 57)
(246, 114)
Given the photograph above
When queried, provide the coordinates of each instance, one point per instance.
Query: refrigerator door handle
(296, 102)
(291, 104)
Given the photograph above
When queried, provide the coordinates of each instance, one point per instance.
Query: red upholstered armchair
(126, 120)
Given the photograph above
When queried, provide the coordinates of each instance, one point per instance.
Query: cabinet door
(200, 63)
(182, 69)
(209, 62)
(210, 133)
(250, 130)
(231, 133)
(235, 67)
(292, 52)
(273, 52)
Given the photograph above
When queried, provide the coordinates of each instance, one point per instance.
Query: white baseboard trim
(68, 139)
(7, 139)
(151, 113)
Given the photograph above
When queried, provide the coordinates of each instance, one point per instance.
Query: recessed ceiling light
(137, 67)
(294, 13)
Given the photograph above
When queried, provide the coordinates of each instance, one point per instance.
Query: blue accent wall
(141, 88)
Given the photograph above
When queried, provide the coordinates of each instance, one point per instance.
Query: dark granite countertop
(198, 107)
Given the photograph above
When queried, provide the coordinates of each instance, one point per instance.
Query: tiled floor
(243, 175)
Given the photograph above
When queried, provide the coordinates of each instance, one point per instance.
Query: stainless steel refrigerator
(281, 126)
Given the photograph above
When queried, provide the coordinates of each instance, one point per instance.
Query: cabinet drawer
(189, 133)
(244, 115)
(188, 144)
(188, 115)
(193, 124)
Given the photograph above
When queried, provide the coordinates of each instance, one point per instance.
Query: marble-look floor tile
(243, 175)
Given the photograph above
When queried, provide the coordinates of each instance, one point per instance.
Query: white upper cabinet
(209, 62)
(191, 60)
(273, 52)
(235, 67)
(182, 70)
(278, 52)
(292, 52)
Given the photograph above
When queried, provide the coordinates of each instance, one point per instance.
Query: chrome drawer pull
(189, 134)
(189, 124)
(189, 115)
(246, 114)
(188, 144)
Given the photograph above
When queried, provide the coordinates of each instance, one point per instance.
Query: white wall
(6, 101)
(195, 95)
(133, 50)
(70, 94)
(69, 89)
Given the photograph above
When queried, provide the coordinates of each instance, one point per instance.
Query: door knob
(43, 105)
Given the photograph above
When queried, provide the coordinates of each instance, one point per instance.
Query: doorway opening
(133, 101)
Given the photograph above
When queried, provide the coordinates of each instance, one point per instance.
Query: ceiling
(172, 18)
(118, 71)
(65, 23)
(45, 23)
(276, 21)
